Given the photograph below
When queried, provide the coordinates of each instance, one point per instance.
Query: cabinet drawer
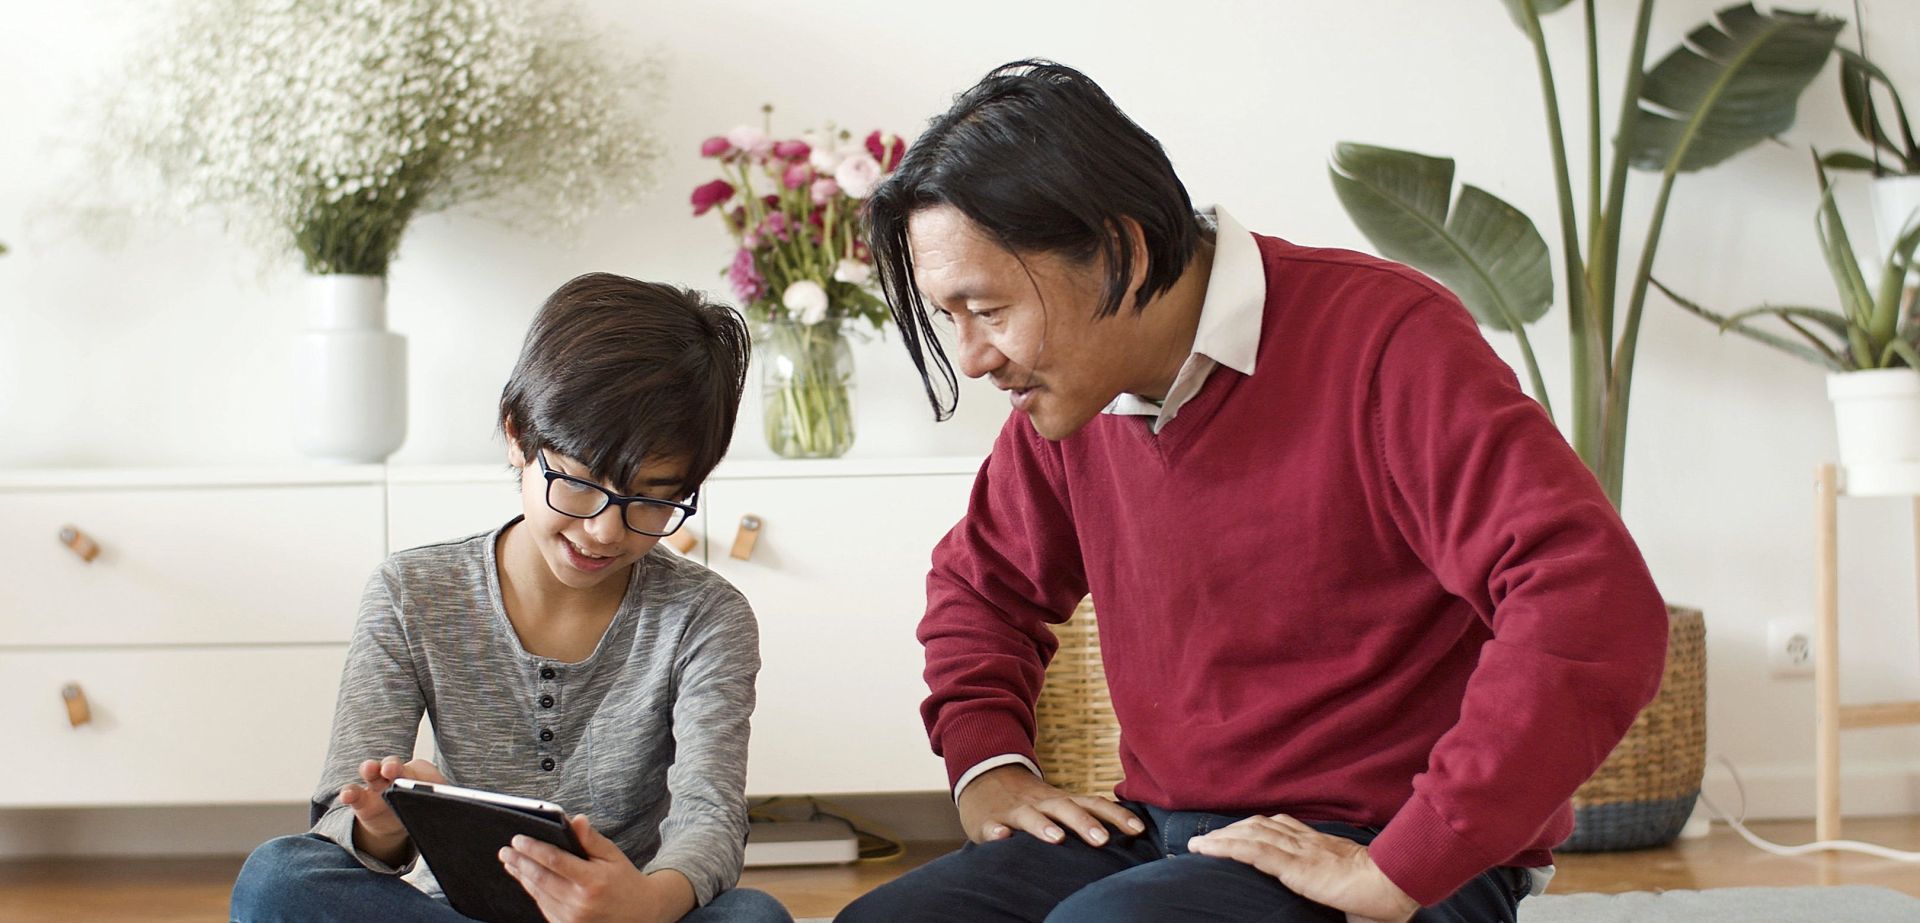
(182, 726)
(188, 565)
(837, 598)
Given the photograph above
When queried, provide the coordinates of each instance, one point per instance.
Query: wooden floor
(169, 890)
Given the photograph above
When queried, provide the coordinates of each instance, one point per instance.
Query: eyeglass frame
(609, 498)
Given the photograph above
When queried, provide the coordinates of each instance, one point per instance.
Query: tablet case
(461, 840)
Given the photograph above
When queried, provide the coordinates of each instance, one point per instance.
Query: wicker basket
(1076, 735)
(1644, 792)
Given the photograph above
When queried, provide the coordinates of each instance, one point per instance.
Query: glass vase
(806, 383)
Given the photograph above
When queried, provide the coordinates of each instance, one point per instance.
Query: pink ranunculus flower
(792, 150)
(707, 195)
(750, 140)
(886, 150)
(777, 225)
(746, 279)
(857, 175)
(824, 189)
(797, 175)
(715, 146)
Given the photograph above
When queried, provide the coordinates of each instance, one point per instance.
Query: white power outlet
(1790, 647)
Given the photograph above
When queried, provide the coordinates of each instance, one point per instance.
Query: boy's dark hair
(617, 372)
(1040, 158)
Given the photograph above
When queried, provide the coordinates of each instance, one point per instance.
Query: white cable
(1871, 849)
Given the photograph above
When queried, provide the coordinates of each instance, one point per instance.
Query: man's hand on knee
(1009, 798)
(1326, 869)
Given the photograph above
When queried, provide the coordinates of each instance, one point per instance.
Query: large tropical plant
(1735, 82)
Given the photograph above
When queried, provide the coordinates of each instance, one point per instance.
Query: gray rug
(1841, 904)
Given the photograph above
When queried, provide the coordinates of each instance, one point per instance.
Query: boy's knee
(273, 871)
(745, 905)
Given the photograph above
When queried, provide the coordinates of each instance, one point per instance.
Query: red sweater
(1369, 583)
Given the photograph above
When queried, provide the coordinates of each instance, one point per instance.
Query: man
(1367, 620)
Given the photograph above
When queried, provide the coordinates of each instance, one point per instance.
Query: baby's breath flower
(328, 125)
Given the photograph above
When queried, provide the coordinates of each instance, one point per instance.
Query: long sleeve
(376, 715)
(704, 834)
(1011, 566)
(1492, 499)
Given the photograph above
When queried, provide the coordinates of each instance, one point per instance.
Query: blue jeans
(308, 878)
(1135, 879)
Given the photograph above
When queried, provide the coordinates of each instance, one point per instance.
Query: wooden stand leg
(1826, 652)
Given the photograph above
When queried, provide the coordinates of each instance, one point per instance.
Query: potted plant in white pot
(320, 129)
(1736, 83)
(1870, 347)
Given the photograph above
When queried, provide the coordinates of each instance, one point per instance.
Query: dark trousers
(1135, 879)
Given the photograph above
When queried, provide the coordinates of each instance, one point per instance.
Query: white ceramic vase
(350, 373)
(1878, 416)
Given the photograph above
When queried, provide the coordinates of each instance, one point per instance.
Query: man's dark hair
(1040, 158)
(617, 372)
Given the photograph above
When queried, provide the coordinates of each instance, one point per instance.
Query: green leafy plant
(1735, 83)
(1887, 156)
(1875, 329)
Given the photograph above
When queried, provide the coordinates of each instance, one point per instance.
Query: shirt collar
(1236, 299)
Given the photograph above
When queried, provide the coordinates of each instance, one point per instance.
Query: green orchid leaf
(1517, 9)
(1818, 353)
(1857, 77)
(1847, 160)
(1904, 350)
(1734, 83)
(1825, 318)
(1483, 249)
(1855, 298)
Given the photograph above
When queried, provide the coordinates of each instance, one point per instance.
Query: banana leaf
(1483, 249)
(1733, 84)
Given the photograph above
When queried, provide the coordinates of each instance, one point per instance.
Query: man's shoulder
(1307, 271)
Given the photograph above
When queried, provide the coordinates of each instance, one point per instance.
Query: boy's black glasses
(583, 499)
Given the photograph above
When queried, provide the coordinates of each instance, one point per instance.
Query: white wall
(171, 348)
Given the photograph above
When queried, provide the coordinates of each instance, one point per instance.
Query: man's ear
(1132, 238)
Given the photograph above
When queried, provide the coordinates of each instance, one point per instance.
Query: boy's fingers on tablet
(539, 883)
(597, 846)
(424, 771)
(392, 768)
(550, 857)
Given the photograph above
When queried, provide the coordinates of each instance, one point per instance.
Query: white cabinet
(211, 625)
(233, 725)
(837, 579)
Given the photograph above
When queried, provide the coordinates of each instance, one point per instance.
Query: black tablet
(460, 832)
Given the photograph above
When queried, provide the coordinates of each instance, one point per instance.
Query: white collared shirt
(1229, 329)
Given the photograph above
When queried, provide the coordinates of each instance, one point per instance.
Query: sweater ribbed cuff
(968, 739)
(1420, 852)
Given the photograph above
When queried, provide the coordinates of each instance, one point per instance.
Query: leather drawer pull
(78, 711)
(79, 543)
(747, 537)
(682, 541)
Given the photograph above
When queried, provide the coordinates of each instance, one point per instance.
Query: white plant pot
(1896, 203)
(1878, 416)
(350, 373)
